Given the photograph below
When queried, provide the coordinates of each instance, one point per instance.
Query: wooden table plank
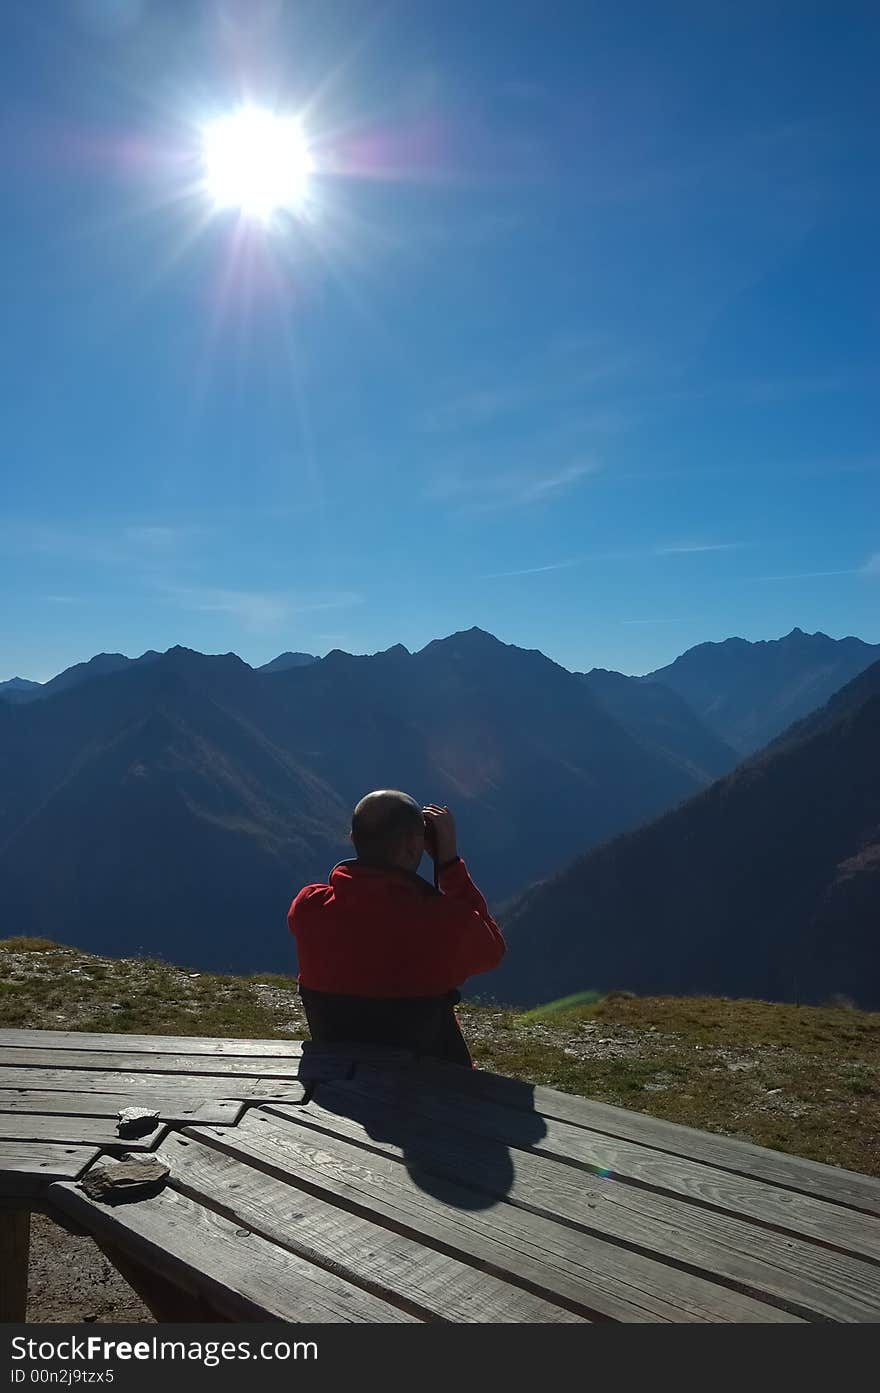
(107, 1105)
(433, 1285)
(799, 1214)
(90, 1043)
(27, 1173)
(248, 1279)
(38, 1129)
(728, 1153)
(532, 1250)
(803, 1276)
(191, 1065)
(315, 1065)
(197, 1087)
(148, 1044)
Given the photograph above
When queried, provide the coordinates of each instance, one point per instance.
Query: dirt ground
(71, 1280)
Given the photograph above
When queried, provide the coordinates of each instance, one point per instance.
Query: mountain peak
(19, 683)
(180, 654)
(397, 650)
(287, 660)
(473, 640)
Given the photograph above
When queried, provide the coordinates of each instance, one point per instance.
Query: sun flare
(257, 162)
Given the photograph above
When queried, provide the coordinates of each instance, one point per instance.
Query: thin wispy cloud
(816, 575)
(514, 488)
(492, 405)
(532, 570)
(694, 548)
(257, 611)
(556, 375)
(474, 408)
(124, 544)
(548, 484)
(625, 554)
(746, 390)
(780, 469)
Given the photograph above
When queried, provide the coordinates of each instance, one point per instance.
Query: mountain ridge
(748, 692)
(765, 884)
(287, 660)
(241, 782)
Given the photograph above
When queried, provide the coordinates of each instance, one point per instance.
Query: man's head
(389, 826)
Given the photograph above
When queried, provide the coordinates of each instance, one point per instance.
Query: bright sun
(257, 162)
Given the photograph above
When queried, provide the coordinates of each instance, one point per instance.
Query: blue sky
(575, 340)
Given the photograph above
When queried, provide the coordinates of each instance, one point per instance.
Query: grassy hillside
(801, 1079)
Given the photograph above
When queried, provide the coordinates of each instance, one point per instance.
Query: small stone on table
(132, 1177)
(134, 1122)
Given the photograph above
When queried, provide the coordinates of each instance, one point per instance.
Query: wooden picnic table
(360, 1184)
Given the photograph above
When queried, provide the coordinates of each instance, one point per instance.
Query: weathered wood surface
(15, 1232)
(602, 1280)
(195, 1088)
(76, 1040)
(28, 1171)
(601, 1154)
(432, 1284)
(727, 1153)
(356, 1183)
(217, 1110)
(147, 1044)
(38, 1129)
(243, 1276)
(190, 1065)
(806, 1278)
(92, 1041)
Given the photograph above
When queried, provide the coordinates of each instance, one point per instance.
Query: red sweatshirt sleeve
(472, 941)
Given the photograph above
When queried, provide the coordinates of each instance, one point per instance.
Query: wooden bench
(357, 1184)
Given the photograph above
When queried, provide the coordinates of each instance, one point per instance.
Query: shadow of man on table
(456, 1130)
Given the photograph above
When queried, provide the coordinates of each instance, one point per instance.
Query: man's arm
(471, 940)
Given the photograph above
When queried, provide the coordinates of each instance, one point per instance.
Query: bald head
(389, 826)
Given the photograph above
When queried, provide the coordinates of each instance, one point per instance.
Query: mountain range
(766, 884)
(18, 690)
(173, 803)
(748, 693)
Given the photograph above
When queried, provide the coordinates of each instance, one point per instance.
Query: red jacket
(378, 931)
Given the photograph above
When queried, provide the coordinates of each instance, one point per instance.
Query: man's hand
(443, 823)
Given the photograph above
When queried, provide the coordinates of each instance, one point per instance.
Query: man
(382, 952)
